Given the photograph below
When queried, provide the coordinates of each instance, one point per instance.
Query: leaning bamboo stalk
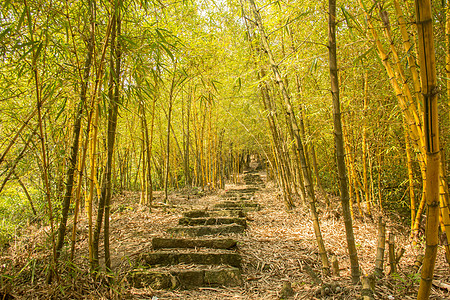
(401, 78)
(420, 208)
(410, 176)
(408, 49)
(27, 194)
(17, 135)
(13, 165)
(294, 131)
(280, 155)
(410, 114)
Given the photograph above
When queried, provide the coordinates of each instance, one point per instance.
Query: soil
(277, 249)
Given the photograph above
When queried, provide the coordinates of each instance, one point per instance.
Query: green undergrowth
(15, 213)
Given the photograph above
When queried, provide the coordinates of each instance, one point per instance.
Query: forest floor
(275, 249)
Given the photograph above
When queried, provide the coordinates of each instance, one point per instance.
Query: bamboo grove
(98, 98)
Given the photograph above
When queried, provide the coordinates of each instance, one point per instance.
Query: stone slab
(212, 221)
(168, 258)
(160, 243)
(206, 230)
(238, 205)
(214, 213)
(175, 278)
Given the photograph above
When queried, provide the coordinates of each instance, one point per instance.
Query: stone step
(247, 190)
(214, 213)
(238, 205)
(206, 230)
(237, 194)
(212, 221)
(172, 257)
(179, 278)
(159, 243)
(236, 197)
(250, 181)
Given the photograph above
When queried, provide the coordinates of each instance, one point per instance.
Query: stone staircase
(202, 250)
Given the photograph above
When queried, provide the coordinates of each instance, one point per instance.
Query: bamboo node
(434, 90)
(421, 22)
(434, 204)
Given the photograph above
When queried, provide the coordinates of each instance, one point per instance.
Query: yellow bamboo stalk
(424, 21)
(447, 47)
(401, 78)
(410, 176)
(351, 167)
(408, 50)
(406, 105)
(444, 208)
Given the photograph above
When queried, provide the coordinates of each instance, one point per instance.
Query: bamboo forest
(224, 149)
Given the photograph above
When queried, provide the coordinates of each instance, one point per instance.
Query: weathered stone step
(236, 197)
(171, 257)
(247, 190)
(159, 243)
(174, 277)
(212, 221)
(214, 213)
(206, 230)
(238, 194)
(254, 182)
(237, 205)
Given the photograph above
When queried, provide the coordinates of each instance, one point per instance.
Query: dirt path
(275, 249)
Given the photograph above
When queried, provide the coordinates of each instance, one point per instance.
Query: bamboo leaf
(167, 51)
(239, 84)
(63, 106)
(22, 17)
(33, 46)
(213, 83)
(363, 56)
(350, 19)
(313, 67)
(38, 50)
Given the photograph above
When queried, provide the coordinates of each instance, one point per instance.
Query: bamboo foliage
(405, 98)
